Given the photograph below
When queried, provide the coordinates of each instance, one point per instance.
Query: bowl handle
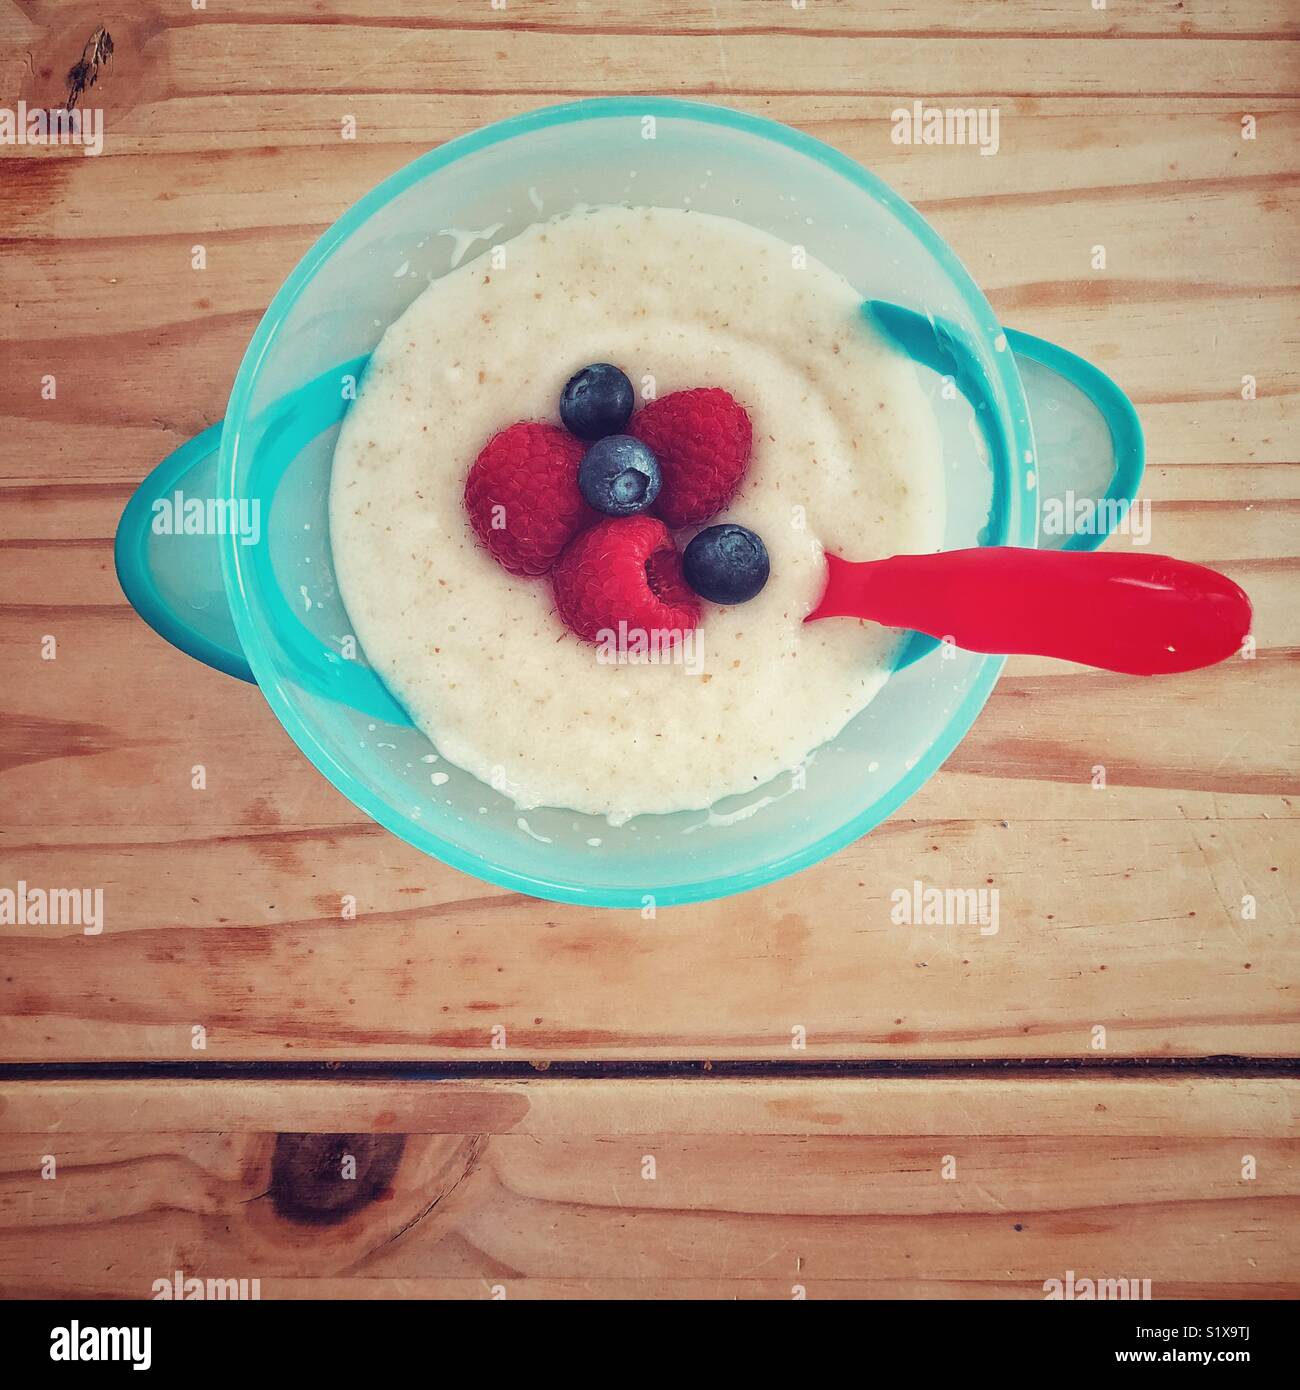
(171, 576)
(1088, 447)
(176, 525)
(1088, 450)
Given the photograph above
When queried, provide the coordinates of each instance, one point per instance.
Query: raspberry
(702, 439)
(522, 496)
(624, 570)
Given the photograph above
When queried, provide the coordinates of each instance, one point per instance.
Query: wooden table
(952, 1126)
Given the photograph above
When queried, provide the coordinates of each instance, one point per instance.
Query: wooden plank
(1042, 49)
(1137, 930)
(352, 59)
(829, 1188)
(1218, 19)
(1120, 907)
(254, 121)
(1074, 1105)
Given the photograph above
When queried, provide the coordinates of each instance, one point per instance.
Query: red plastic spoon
(1145, 615)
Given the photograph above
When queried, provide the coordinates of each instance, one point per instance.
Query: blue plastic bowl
(251, 591)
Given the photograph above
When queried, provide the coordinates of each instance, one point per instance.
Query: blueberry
(619, 475)
(596, 402)
(726, 564)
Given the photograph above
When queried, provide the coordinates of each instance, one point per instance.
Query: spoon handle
(1141, 614)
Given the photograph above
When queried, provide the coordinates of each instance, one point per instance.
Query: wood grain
(1121, 908)
(759, 1189)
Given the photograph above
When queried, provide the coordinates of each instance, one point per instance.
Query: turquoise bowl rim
(1022, 517)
